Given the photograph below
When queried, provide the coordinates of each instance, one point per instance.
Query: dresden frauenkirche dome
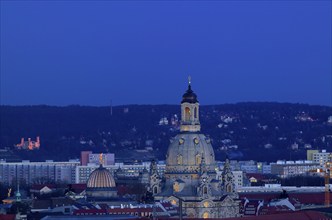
(101, 185)
(191, 178)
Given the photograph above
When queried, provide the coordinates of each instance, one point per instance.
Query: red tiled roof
(308, 198)
(122, 190)
(128, 189)
(90, 211)
(7, 217)
(300, 215)
(259, 196)
(271, 210)
(40, 186)
(303, 198)
(115, 210)
(51, 202)
(103, 205)
(78, 187)
(148, 209)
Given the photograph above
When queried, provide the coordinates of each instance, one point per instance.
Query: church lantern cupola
(190, 111)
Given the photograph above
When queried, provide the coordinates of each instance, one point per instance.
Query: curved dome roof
(189, 96)
(101, 178)
(186, 152)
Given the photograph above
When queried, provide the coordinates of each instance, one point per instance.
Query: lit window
(198, 159)
(187, 113)
(176, 187)
(179, 159)
(206, 215)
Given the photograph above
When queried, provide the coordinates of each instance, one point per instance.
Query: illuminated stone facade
(191, 170)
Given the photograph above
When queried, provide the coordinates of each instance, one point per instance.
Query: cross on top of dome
(189, 96)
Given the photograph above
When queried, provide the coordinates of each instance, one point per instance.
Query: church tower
(228, 178)
(155, 180)
(190, 172)
(190, 111)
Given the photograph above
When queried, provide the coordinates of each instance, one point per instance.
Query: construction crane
(327, 175)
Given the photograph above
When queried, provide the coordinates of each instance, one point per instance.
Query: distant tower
(190, 172)
(228, 178)
(204, 186)
(155, 180)
(189, 111)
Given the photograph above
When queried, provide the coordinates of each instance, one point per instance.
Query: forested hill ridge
(244, 131)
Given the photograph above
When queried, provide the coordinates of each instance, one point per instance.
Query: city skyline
(165, 109)
(86, 53)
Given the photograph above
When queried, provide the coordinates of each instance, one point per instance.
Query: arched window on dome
(198, 159)
(187, 114)
(229, 188)
(179, 159)
(176, 187)
(155, 190)
(205, 190)
(196, 113)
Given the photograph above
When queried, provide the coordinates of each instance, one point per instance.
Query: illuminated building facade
(191, 170)
(29, 145)
(35, 172)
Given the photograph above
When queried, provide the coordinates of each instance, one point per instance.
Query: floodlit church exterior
(191, 171)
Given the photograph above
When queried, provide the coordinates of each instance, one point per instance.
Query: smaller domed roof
(189, 96)
(100, 178)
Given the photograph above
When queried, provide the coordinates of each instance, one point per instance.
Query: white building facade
(36, 172)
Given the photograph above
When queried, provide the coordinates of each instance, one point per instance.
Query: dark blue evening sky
(141, 52)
